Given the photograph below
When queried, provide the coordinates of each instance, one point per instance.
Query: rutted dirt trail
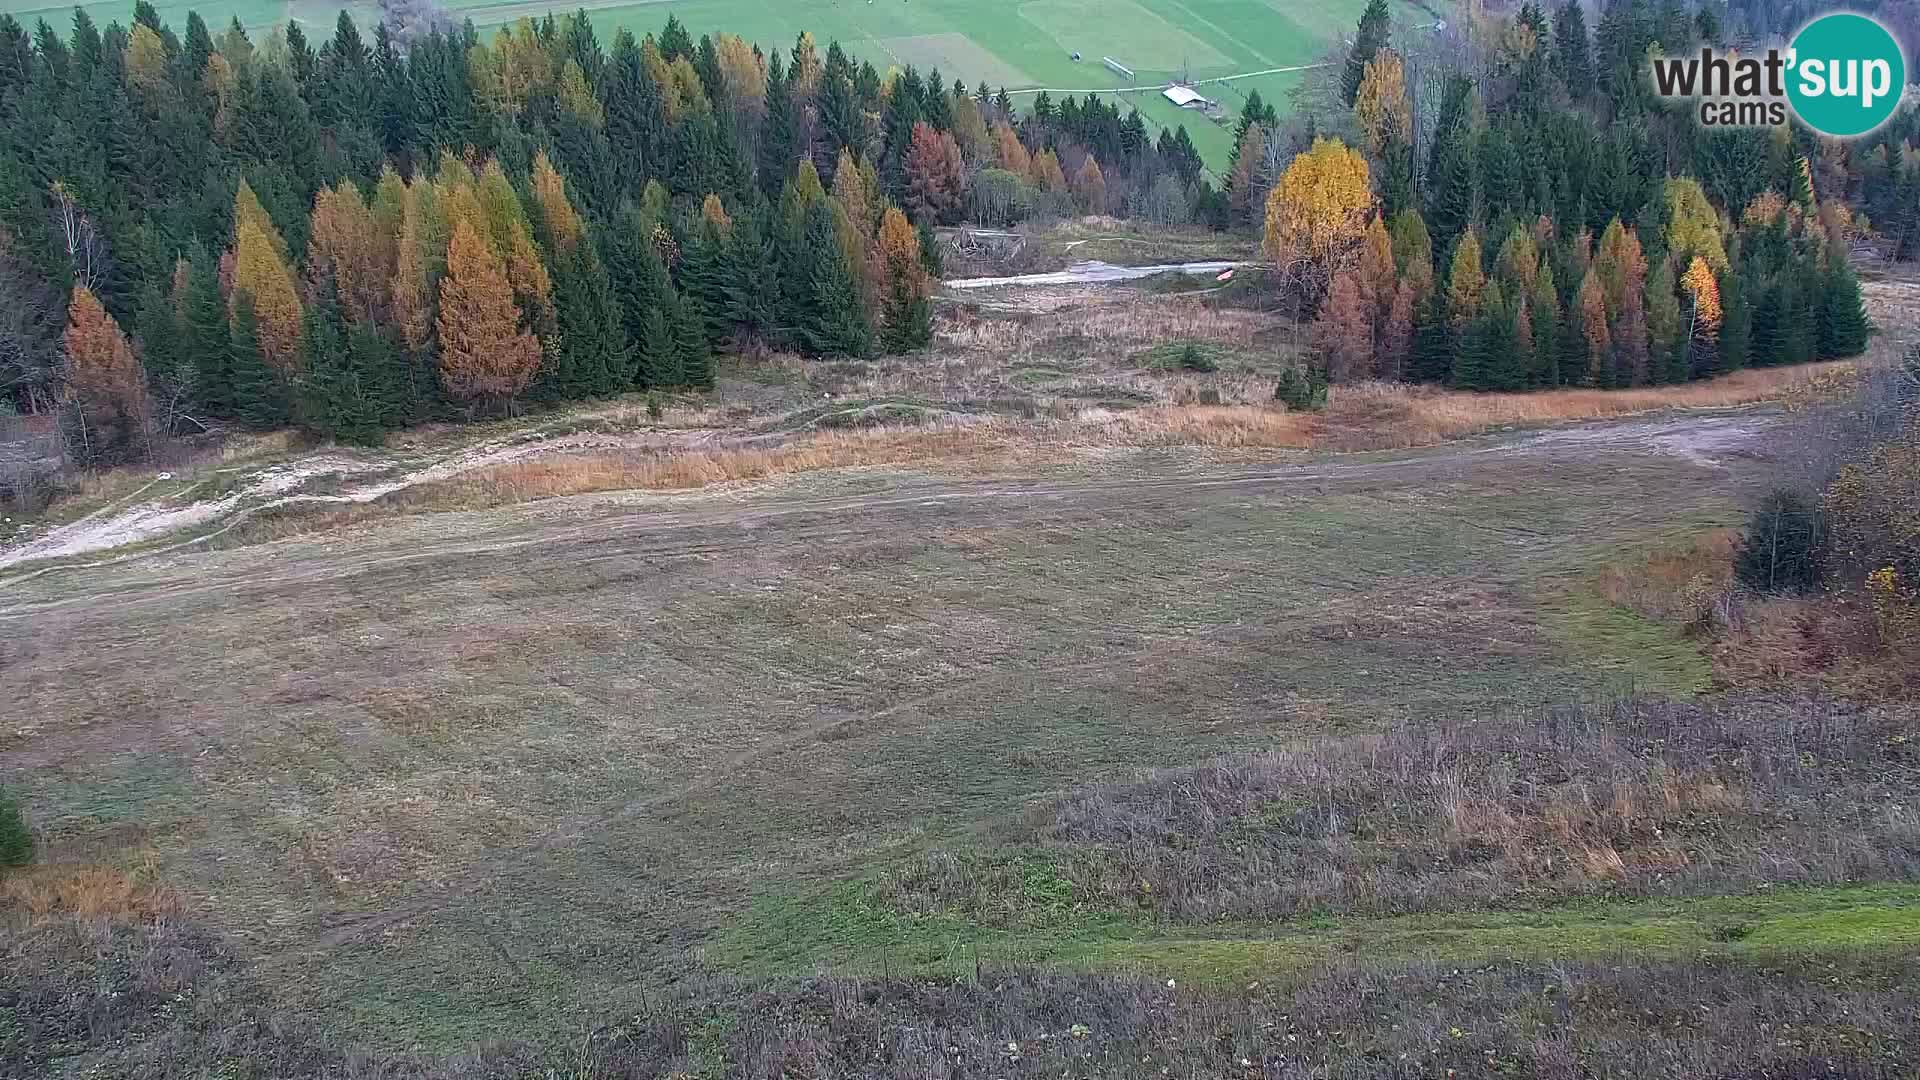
(128, 522)
(663, 523)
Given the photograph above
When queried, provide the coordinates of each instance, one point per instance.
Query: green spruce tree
(834, 322)
(693, 351)
(207, 339)
(259, 394)
(1367, 40)
(1843, 326)
(658, 352)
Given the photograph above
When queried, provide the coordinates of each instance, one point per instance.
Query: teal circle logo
(1845, 74)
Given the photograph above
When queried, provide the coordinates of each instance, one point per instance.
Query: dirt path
(666, 520)
(127, 522)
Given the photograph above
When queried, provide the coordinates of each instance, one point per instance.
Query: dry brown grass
(1831, 641)
(1221, 426)
(1641, 798)
(1766, 643)
(1373, 416)
(1687, 583)
(540, 478)
(86, 891)
(1361, 417)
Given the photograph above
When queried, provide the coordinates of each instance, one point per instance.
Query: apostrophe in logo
(1845, 74)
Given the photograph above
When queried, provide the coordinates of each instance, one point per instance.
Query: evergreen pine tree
(691, 348)
(776, 152)
(1485, 343)
(1432, 343)
(208, 341)
(1368, 40)
(1843, 326)
(1543, 306)
(703, 278)
(930, 259)
(642, 290)
(158, 332)
(259, 394)
(350, 388)
(16, 840)
(1736, 327)
(659, 357)
(834, 322)
(750, 287)
(1572, 52)
(675, 42)
(594, 356)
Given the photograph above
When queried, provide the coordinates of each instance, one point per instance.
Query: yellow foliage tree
(247, 210)
(1693, 225)
(970, 131)
(805, 70)
(1375, 268)
(484, 355)
(557, 215)
(1466, 281)
(1591, 307)
(1699, 283)
(1090, 184)
(714, 213)
(262, 273)
(1318, 210)
(1010, 153)
(742, 76)
(1621, 265)
(689, 91)
(347, 248)
(1381, 105)
(410, 296)
(576, 97)
(146, 63)
(521, 64)
(1046, 172)
(899, 248)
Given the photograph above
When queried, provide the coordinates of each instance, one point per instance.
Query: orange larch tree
(346, 248)
(105, 383)
(1010, 153)
(1090, 184)
(484, 355)
(936, 175)
(1344, 331)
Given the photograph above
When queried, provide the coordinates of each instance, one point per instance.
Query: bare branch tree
(86, 249)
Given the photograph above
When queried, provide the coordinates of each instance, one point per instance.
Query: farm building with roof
(1186, 97)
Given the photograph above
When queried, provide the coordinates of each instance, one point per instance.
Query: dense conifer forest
(1508, 205)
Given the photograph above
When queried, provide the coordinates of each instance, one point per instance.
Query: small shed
(1186, 97)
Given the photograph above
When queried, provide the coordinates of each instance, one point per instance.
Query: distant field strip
(1123, 30)
(1159, 86)
(1022, 45)
(955, 53)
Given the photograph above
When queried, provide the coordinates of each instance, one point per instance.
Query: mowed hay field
(504, 773)
(1013, 43)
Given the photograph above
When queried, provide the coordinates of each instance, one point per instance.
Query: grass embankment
(1668, 828)
(1371, 416)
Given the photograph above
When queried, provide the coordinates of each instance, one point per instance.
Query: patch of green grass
(1632, 653)
(1184, 355)
(845, 928)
